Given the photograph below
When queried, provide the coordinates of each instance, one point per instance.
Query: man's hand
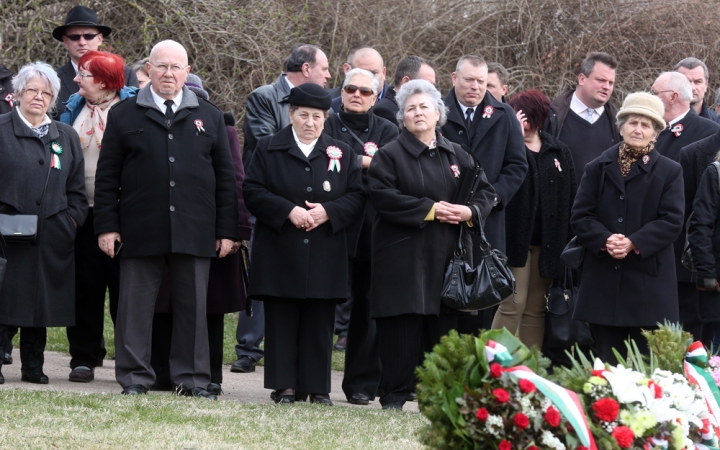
(106, 242)
(224, 246)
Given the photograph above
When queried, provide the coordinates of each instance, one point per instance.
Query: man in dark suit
(81, 33)
(166, 179)
(697, 74)
(409, 68)
(684, 128)
(489, 130)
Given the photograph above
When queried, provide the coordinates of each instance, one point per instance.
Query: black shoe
(358, 399)
(37, 377)
(82, 376)
(196, 392)
(412, 397)
(214, 388)
(163, 386)
(394, 405)
(284, 399)
(7, 359)
(135, 389)
(243, 364)
(341, 344)
(322, 399)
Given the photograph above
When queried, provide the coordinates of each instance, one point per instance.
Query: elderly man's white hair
(168, 43)
(679, 83)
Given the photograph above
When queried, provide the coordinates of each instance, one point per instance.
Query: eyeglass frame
(173, 69)
(659, 92)
(84, 75)
(76, 37)
(43, 94)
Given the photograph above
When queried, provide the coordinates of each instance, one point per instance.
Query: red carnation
(623, 436)
(606, 409)
(504, 445)
(552, 417)
(598, 373)
(495, 370)
(501, 395)
(521, 421)
(482, 414)
(527, 386)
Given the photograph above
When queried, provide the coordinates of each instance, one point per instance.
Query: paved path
(242, 387)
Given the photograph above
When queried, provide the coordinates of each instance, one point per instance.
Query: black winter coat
(704, 230)
(647, 207)
(368, 128)
(497, 143)
(409, 254)
(668, 144)
(694, 159)
(166, 189)
(551, 185)
(6, 90)
(39, 286)
(387, 107)
(288, 262)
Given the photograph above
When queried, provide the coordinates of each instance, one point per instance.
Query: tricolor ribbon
(334, 153)
(370, 148)
(199, 125)
(10, 98)
(557, 165)
(56, 150)
(677, 129)
(455, 170)
(567, 402)
(696, 359)
(488, 112)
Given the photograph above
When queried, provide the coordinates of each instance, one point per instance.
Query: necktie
(468, 117)
(590, 115)
(168, 110)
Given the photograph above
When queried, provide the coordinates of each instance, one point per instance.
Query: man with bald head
(165, 196)
(409, 68)
(684, 128)
(369, 59)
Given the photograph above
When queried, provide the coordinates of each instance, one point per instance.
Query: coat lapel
(482, 125)
(66, 74)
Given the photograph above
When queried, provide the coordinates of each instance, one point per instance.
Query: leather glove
(707, 284)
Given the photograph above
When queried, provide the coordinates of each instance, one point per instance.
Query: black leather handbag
(472, 289)
(561, 330)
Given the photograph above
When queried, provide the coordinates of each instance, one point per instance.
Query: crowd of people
(353, 200)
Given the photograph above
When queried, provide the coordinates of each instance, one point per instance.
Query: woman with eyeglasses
(101, 79)
(43, 175)
(357, 126)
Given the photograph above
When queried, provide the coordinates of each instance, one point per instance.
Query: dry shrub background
(238, 45)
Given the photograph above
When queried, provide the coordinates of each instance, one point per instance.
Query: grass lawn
(57, 341)
(45, 419)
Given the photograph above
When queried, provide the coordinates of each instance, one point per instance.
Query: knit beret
(643, 104)
(310, 95)
(194, 83)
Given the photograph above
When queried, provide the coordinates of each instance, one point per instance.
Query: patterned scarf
(93, 126)
(41, 131)
(627, 156)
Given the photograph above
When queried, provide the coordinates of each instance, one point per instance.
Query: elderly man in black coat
(490, 132)
(166, 181)
(684, 128)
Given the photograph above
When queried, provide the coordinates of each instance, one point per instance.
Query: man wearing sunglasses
(81, 33)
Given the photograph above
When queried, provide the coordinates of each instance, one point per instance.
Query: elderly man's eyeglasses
(34, 93)
(164, 68)
(364, 91)
(86, 36)
(656, 93)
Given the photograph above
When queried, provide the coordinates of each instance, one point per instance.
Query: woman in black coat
(43, 174)
(537, 222)
(627, 213)
(304, 189)
(357, 126)
(413, 186)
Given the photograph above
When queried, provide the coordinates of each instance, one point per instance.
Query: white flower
(549, 440)
(494, 424)
(626, 385)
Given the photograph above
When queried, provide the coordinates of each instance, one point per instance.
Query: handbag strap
(351, 131)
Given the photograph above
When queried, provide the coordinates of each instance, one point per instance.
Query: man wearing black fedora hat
(81, 33)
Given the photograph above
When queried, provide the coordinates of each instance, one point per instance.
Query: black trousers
(298, 344)
(689, 300)
(362, 360)
(606, 338)
(32, 346)
(95, 273)
(472, 324)
(162, 340)
(140, 282)
(403, 341)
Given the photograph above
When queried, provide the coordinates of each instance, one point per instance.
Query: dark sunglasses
(76, 37)
(364, 91)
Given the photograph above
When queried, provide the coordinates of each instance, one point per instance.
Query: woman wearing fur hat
(627, 213)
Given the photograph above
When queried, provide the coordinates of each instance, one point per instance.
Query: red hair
(105, 67)
(534, 104)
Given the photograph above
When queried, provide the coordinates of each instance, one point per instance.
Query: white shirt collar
(46, 120)
(581, 108)
(305, 148)
(75, 66)
(465, 108)
(290, 85)
(160, 102)
(678, 118)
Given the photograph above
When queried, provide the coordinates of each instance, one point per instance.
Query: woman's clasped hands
(618, 246)
(308, 219)
(450, 213)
